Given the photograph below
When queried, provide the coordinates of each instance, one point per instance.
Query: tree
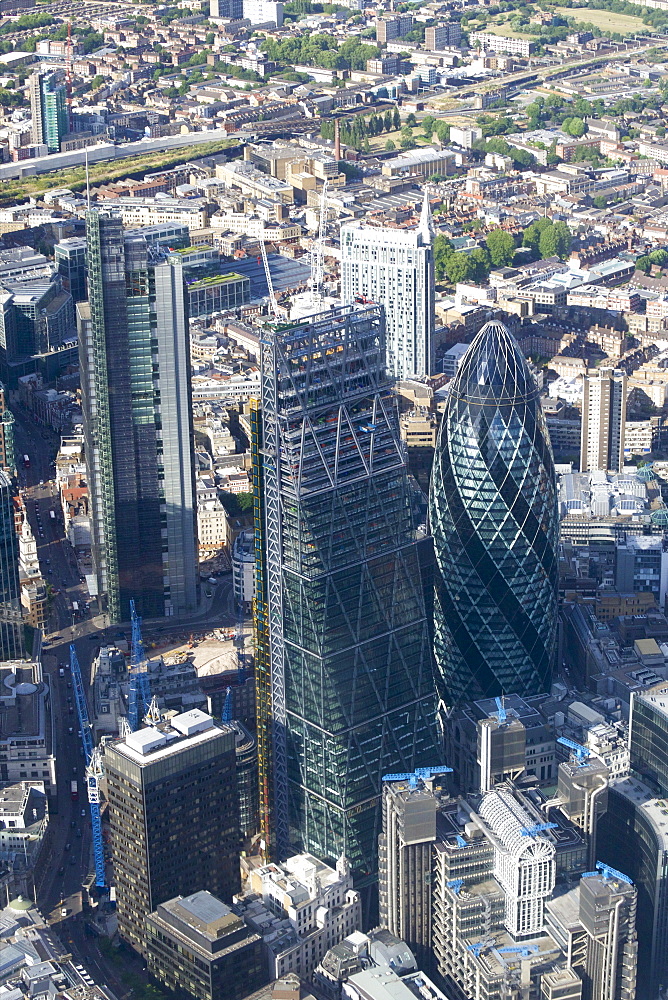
(442, 130)
(644, 264)
(411, 119)
(428, 123)
(574, 126)
(389, 145)
(564, 239)
(659, 257)
(459, 268)
(396, 119)
(501, 246)
(600, 201)
(388, 120)
(480, 264)
(532, 233)
(443, 250)
(96, 82)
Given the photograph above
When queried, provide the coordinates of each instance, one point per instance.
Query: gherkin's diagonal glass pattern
(352, 694)
(493, 509)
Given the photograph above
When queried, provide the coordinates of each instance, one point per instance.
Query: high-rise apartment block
(12, 645)
(441, 36)
(494, 519)
(603, 421)
(135, 377)
(173, 814)
(48, 108)
(345, 690)
(233, 9)
(389, 28)
(395, 268)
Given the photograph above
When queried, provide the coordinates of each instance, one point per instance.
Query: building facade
(494, 518)
(173, 814)
(603, 421)
(395, 268)
(48, 108)
(135, 363)
(345, 690)
(12, 645)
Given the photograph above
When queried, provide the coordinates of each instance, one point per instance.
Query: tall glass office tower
(135, 379)
(493, 510)
(48, 107)
(345, 685)
(12, 646)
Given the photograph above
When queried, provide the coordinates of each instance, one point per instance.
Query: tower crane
(580, 753)
(140, 692)
(419, 774)
(317, 252)
(606, 872)
(270, 286)
(93, 768)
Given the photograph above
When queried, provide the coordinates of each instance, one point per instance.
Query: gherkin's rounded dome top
(494, 369)
(645, 472)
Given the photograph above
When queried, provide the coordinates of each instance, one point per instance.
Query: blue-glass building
(493, 510)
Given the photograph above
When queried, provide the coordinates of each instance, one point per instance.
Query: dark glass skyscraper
(135, 379)
(345, 685)
(11, 618)
(493, 510)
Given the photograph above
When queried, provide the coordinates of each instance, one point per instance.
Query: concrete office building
(134, 355)
(603, 421)
(405, 863)
(395, 268)
(173, 814)
(441, 36)
(197, 945)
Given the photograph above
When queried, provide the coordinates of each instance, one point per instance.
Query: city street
(69, 861)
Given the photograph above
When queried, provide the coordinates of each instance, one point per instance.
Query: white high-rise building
(264, 12)
(603, 421)
(395, 268)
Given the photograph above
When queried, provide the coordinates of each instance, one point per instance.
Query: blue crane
(523, 950)
(460, 841)
(502, 715)
(419, 774)
(531, 831)
(580, 753)
(140, 691)
(606, 872)
(476, 948)
(93, 768)
(227, 707)
(456, 885)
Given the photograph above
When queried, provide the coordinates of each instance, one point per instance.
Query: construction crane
(531, 831)
(606, 872)
(270, 286)
(93, 768)
(140, 692)
(460, 841)
(523, 950)
(580, 753)
(501, 713)
(227, 707)
(419, 774)
(456, 885)
(317, 252)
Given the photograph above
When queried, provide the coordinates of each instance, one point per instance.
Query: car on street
(63, 911)
(83, 812)
(68, 847)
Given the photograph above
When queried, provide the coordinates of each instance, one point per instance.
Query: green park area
(606, 20)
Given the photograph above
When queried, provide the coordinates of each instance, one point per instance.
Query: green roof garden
(218, 279)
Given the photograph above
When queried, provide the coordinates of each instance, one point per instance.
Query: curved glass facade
(493, 510)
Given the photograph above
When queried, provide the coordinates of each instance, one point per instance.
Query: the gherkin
(493, 510)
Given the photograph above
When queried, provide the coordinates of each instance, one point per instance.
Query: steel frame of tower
(93, 768)
(331, 448)
(274, 589)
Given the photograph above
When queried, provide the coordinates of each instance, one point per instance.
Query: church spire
(426, 227)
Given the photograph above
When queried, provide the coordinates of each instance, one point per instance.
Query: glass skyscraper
(135, 378)
(494, 520)
(12, 646)
(345, 683)
(48, 107)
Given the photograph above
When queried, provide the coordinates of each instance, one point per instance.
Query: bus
(74, 791)
(26, 461)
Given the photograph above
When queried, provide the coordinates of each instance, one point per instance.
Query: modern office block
(648, 737)
(12, 645)
(493, 509)
(173, 814)
(48, 108)
(135, 376)
(395, 268)
(631, 836)
(608, 915)
(70, 256)
(197, 945)
(603, 421)
(405, 863)
(345, 690)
